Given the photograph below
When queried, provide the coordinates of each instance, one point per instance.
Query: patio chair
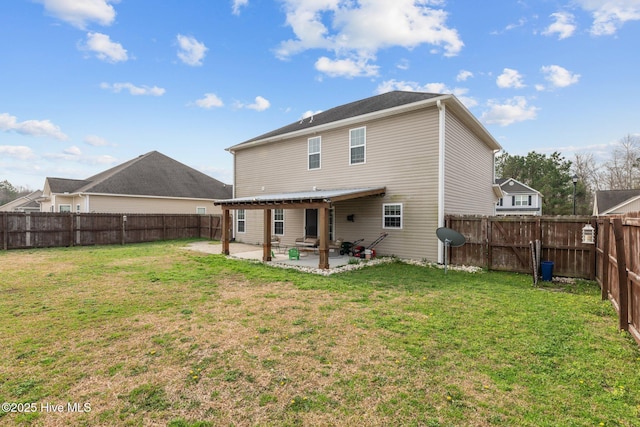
(335, 247)
(275, 243)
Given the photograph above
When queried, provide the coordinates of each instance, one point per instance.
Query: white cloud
(190, 51)
(31, 127)
(610, 15)
(346, 67)
(358, 30)
(237, 5)
(96, 141)
(74, 154)
(104, 48)
(260, 104)
(558, 76)
(510, 79)
(512, 111)
(73, 151)
(19, 152)
(133, 89)
(564, 25)
(210, 100)
(80, 12)
(464, 75)
(310, 113)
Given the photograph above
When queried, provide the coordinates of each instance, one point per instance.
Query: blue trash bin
(547, 270)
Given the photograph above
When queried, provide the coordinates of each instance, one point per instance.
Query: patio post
(266, 245)
(323, 249)
(226, 219)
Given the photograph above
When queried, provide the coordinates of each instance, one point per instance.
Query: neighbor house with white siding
(395, 163)
(518, 198)
(150, 183)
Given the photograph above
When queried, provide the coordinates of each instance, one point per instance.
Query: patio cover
(316, 199)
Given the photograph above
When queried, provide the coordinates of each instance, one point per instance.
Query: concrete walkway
(254, 252)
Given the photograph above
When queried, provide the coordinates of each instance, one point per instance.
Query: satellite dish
(450, 238)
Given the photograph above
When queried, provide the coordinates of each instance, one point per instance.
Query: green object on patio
(294, 253)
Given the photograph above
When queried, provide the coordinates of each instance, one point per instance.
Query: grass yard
(152, 334)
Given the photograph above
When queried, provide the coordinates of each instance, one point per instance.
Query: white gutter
(441, 147)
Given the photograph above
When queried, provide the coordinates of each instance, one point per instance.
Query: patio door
(311, 222)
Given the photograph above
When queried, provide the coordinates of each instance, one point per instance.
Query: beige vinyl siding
(401, 154)
(468, 171)
(114, 204)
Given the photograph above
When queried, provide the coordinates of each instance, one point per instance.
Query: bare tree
(622, 171)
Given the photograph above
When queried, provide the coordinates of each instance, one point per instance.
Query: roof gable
(346, 111)
(606, 200)
(151, 174)
(513, 186)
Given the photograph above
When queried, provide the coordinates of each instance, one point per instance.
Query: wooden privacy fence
(503, 243)
(618, 268)
(40, 230)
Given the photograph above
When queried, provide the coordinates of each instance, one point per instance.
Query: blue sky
(88, 84)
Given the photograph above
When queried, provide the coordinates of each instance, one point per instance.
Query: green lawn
(153, 334)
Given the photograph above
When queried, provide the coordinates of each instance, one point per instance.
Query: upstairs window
(521, 200)
(357, 145)
(201, 211)
(314, 152)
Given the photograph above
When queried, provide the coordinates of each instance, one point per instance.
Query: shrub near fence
(40, 230)
(503, 243)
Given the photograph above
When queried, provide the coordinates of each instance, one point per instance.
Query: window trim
(318, 153)
(201, 207)
(275, 220)
(66, 205)
(385, 216)
(521, 200)
(363, 145)
(241, 217)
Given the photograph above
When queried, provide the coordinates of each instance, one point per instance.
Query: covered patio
(323, 200)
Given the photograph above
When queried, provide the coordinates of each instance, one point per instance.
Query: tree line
(9, 193)
(552, 175)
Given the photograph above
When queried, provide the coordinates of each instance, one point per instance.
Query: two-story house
(395, 163)
(518, 198)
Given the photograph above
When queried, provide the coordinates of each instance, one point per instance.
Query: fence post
(606, 225)
(484, 245)
(623, 285)
(122, 235)
(5, 230)
(592, 252)
(71, 221)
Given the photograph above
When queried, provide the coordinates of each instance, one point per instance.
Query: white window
(201, 211)
(278, 222)
(357, 145)
(314, 152)
(521, 200)
(77, 208)
(241, 221)
(392, 215)
(64, 208)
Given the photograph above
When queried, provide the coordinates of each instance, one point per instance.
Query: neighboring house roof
(513, 186)
(386, 103)
(607, 201)
(24, 203)
(151, 174)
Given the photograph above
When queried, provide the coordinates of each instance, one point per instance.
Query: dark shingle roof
(151, 174)
(352, 109)
(513, 186)
(607, 199)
